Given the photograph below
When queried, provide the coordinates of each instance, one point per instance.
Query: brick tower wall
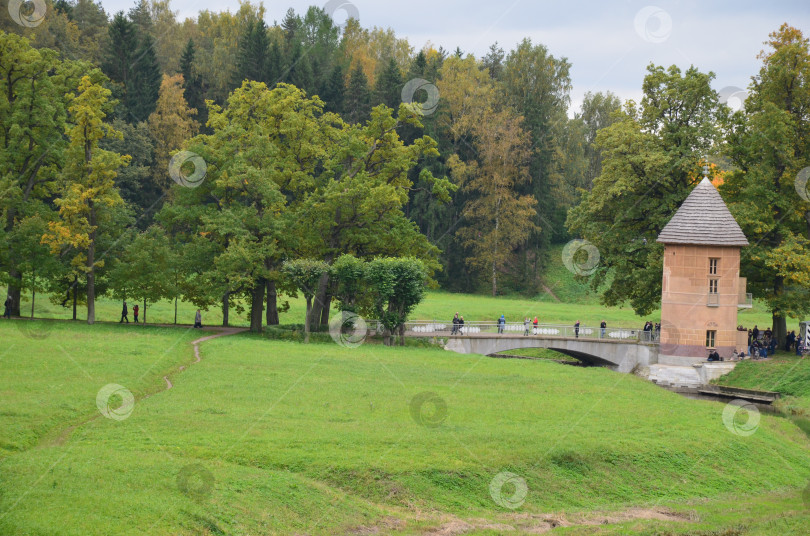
(687, 310)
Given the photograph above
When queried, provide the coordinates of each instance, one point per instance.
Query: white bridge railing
(512, 329)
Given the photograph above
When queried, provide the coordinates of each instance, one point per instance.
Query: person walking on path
(501, 323)
(198, 319)
(602, 327)
(7, 310)
(455, 324)
(576, 329)
(135, 310)
(124, 313)
(526, 324)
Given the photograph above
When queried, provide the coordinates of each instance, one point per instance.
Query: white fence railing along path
(511, 329)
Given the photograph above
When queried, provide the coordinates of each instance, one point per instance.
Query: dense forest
(148, 157)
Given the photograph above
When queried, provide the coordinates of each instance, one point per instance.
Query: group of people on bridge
(529, 326)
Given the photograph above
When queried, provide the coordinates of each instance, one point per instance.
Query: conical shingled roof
(703, 219)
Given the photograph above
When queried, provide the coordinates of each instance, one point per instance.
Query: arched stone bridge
(618, 348)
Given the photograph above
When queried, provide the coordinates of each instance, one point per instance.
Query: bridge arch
(621, 356)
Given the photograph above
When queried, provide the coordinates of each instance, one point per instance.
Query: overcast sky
(608, 43)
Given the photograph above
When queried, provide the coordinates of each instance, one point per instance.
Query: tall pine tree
(121, 51)
(143, 86)
(334, 91)
(253, 54)
(141, 18)
(388, 87)
(192, 83)
(357, 104)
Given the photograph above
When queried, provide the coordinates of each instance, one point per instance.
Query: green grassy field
(267, 437)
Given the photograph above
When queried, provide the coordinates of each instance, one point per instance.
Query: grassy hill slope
(269, 437)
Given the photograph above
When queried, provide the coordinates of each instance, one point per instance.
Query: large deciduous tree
(491, 163)
(171, 125)
(650, 161)
(89, 199)
(499, 218)
(769, 143)
(33, 111)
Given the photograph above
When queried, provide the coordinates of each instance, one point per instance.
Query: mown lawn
(50, 372)
(267, 437)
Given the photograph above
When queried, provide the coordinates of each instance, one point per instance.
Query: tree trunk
(327, 304)
(386, 337)
(306, 319)
(144, 311)
(257, 306)
(779, 327)
(495, 256)
(33, 298)
(175, 310)
(75, 295)
(272, 304)
(402, 334)
(494, 281)
(14, 287)
(320, 299)
(225, 299)
(91, 268)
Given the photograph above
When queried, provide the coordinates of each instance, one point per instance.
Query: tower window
(713, 266)
(711, 337)
(712, 286)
